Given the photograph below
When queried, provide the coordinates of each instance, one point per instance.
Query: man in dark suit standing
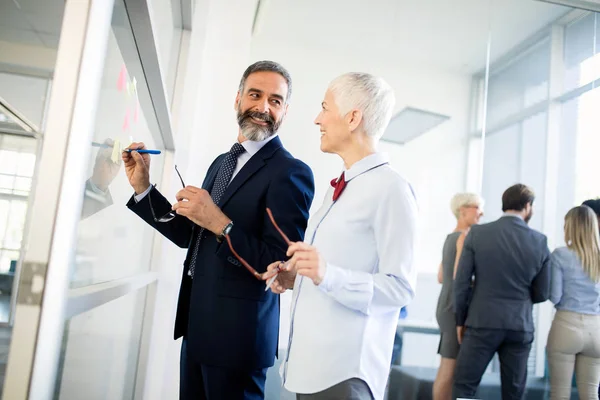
(509, 262)
(229, 323)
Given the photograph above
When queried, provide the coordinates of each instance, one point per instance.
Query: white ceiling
(31, 22)
(450, 34)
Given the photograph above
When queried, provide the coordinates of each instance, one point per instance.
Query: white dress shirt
(251, 149)
(344, 328)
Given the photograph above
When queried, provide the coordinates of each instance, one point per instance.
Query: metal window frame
(590, 5)
(141, 25)
(27, 126)
(87, 298)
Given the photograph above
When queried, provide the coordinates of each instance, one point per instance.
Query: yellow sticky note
(116, 153)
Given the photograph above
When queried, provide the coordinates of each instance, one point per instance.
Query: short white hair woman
(356, 270)
(468, 209)
(574, 338)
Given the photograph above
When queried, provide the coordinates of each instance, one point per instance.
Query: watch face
(227, 228)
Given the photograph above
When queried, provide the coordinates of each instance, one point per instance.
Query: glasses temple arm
(287, 241)
(240, 259)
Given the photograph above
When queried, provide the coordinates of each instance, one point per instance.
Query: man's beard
(528, 216)
(253, 131)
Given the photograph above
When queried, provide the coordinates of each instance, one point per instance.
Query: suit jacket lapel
(209, 181)
(253, 165)
(211, 175)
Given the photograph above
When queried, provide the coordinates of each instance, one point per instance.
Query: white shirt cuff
(96, 189)
(327, 284)
(140, 197)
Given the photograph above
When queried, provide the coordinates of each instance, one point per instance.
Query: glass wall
(100, 354)
(113, 242)
(100, 347)
(83, 333)
(542, 111)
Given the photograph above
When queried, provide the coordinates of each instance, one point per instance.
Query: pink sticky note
(126, 122)
(122, 81)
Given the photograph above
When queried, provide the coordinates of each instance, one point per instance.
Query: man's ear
(354, 118)
(236, 105)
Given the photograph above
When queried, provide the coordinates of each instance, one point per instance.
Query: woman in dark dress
(467, 208)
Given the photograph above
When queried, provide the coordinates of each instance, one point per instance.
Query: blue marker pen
(143, 151)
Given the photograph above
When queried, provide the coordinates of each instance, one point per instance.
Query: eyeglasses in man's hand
(171, 214)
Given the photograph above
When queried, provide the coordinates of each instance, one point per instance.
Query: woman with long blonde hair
(574, 338)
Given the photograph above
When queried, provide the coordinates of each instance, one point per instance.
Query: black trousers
(476, 352)
(204, 382)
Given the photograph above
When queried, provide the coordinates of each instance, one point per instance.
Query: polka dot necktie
(221, 182)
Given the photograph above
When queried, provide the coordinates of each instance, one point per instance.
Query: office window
(16, 172)
(579, 147)
(17, 163)
(500, 168)
(515, 154)
(523, 83)
(581, 48)
(26, 94)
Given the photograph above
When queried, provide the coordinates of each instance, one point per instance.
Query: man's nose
(263, 107)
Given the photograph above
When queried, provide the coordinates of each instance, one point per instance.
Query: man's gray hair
(268, 66)
(369, 94)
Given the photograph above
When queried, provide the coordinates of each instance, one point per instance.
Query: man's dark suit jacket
(224, 312)
(510, 262)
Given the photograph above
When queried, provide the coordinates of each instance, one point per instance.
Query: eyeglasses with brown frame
(256, 274)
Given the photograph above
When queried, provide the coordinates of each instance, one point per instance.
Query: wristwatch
(225, 231)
